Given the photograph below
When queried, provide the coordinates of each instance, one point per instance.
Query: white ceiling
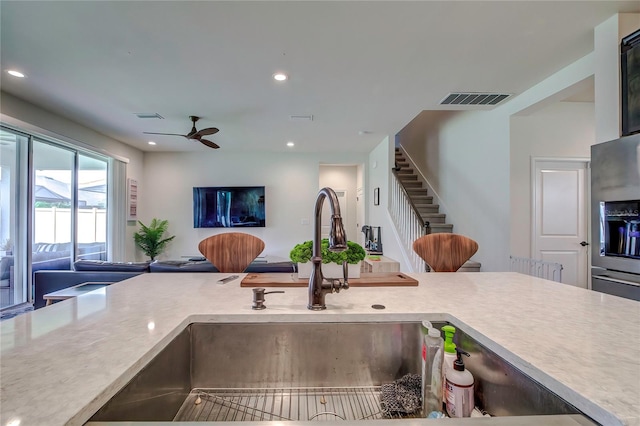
(355, 66)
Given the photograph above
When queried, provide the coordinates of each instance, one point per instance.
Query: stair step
(426, 200)
(405, 177)
(434, 218)
(412, 184)
(441, 227)
(427, 208)
(421, 200)
(470, 266)
(416, 192)
(404, 171)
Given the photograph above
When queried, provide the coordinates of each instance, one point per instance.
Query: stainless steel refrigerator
(615, 217)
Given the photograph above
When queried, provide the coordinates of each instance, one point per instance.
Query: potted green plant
(150, 239)
(331, 261)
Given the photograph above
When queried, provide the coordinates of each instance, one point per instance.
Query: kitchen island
(60, 364)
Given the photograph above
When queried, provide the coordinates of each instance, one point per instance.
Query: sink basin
(309, 371)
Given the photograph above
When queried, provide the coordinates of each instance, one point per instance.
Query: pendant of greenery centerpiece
(331, 261)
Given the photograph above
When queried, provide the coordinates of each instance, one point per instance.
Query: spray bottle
(432, 371)
(449, 356)
(459, 382)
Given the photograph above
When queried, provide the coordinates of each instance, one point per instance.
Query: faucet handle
(345, 274)
(336, 284)
(258, 297)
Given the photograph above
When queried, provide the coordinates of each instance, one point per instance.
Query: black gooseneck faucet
(337, 242)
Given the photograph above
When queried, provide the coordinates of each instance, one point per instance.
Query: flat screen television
(228, 207)
(630, 83)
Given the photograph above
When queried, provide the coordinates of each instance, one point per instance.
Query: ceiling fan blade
(165, 134)
(209, 143)
(208, 131)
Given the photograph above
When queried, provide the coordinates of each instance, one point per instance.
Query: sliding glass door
(92, 209)
(12, 149)
(70, 207)
(53, 210)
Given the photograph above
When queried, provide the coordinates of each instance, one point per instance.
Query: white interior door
(560, 229)
(325, 225)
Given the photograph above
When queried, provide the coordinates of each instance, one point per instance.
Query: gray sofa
(47, 281)
(46, 256)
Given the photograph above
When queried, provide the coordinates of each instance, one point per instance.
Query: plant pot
(329, 270)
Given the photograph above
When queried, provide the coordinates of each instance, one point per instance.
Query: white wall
(562, 129)
(474, 156)
(291, 183)
(466, 163)
(33, 119)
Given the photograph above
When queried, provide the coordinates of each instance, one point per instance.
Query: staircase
(424, 203)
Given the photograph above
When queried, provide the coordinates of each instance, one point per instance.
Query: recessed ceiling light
(16, 73)
(152, 143)
(301, 117)
(280, 76)
(290, 144)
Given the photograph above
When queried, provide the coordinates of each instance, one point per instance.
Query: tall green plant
(150, 238)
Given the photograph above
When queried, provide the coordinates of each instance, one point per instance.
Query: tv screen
(228, 207)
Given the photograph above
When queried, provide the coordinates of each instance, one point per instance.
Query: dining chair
(445, 252)
(231, 251)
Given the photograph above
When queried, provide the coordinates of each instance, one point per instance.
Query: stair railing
(408, 221)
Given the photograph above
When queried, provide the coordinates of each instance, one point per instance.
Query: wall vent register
(474, 98)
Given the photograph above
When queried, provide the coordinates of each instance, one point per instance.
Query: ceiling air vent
(149, 115)
(472, 98)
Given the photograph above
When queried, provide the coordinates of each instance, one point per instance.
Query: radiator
(537, 268)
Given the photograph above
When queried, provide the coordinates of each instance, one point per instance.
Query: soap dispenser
(459, 382)
(449, 355)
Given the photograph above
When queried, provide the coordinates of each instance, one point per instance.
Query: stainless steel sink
(310, 371)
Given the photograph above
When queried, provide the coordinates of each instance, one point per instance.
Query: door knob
(584, 243)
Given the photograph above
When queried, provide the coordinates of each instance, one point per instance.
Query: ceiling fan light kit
(194, 134)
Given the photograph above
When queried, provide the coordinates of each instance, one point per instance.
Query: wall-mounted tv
(228, 207)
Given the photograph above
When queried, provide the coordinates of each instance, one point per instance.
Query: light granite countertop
(60, 364)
